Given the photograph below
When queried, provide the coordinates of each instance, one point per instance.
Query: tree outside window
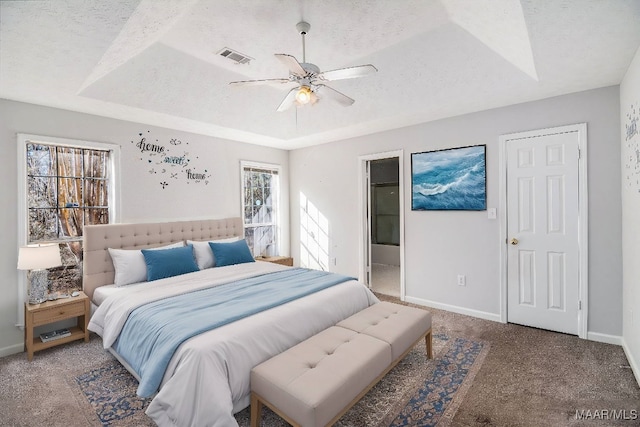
(260, 188)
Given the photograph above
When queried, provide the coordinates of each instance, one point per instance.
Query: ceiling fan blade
(291, 63)
(259, 82)
(339, 97)
(347, 73)
(288, 100)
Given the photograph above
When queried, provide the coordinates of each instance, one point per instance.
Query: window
(66, 185)
(260, 204)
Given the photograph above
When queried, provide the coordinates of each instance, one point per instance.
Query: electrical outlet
(462, 280)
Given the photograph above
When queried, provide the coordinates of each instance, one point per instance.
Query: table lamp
(37, 258)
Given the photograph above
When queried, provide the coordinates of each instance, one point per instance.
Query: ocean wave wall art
(452, 179)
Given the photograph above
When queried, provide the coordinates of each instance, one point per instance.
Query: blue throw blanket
(154, 331)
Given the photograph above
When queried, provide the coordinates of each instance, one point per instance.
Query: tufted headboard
(97, 265)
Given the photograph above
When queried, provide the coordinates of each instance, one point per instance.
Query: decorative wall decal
(632, 148)
(145, 146)
(197, 176)
(632, 127)
(182, 160)
(163, 155)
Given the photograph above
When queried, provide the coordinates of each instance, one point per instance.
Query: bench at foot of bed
(315, 382)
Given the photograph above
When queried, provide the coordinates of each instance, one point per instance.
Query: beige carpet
(529, 377)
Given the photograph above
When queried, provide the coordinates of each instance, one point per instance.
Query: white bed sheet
(103, 292)
(207, 380)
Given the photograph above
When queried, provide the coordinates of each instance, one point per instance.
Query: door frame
(583, 223)
(363, 190)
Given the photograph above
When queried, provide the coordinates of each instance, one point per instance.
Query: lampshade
(38, 257)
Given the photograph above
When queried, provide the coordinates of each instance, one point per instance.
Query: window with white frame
(260, 207)
(66, 184)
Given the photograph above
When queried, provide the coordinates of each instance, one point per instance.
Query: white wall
(630, 95)
(441, 245)
(142, 196)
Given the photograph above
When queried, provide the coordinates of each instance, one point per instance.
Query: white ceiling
(155, 62)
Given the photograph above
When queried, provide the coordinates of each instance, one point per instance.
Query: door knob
(514, 241)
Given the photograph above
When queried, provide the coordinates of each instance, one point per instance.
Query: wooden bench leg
(256, 410)
(429, 343)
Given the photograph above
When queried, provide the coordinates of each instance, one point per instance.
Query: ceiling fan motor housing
(310, 68)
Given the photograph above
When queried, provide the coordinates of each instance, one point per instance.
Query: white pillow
(203, 253)
(130, 265)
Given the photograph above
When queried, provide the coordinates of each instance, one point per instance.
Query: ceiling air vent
(237, 57)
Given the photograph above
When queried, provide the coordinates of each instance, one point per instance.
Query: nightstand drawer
(62, 312)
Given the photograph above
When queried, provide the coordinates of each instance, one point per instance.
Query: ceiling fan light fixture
(304, 95)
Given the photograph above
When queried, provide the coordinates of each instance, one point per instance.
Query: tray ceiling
(156, 62)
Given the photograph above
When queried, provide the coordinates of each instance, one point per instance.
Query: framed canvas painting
(451, 179)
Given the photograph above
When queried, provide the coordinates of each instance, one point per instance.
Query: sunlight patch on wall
(314, 236)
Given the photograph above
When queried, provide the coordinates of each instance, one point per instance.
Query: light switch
(491, 213)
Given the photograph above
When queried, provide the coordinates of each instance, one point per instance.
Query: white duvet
(207, 380)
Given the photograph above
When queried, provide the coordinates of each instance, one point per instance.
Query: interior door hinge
(579, 154)
(579, 305)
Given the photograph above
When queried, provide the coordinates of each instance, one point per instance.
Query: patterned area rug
(417, 392)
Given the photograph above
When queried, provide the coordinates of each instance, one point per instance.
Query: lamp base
(38, 286)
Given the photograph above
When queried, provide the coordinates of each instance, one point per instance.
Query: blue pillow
(231, 253)
(169, 262)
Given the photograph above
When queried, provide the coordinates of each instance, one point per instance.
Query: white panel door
(542, 231)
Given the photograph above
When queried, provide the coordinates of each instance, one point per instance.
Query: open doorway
(383, 223)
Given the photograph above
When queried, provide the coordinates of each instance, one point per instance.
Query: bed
(206, 379)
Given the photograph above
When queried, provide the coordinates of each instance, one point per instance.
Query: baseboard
(454, 309)
(12, 349)
(632, 362)
(605, 338)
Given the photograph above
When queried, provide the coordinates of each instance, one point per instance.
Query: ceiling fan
(309, 78)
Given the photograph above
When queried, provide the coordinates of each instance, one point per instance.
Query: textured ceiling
(156, 62)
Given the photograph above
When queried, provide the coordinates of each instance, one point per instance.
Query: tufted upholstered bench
(315, 382)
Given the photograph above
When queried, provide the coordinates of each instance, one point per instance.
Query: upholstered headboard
(97, 265)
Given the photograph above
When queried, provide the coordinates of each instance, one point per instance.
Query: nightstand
(53, 311)
(284, 260)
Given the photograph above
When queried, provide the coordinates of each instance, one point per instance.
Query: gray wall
(142, 197)
(440, 245)
(630, 95)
